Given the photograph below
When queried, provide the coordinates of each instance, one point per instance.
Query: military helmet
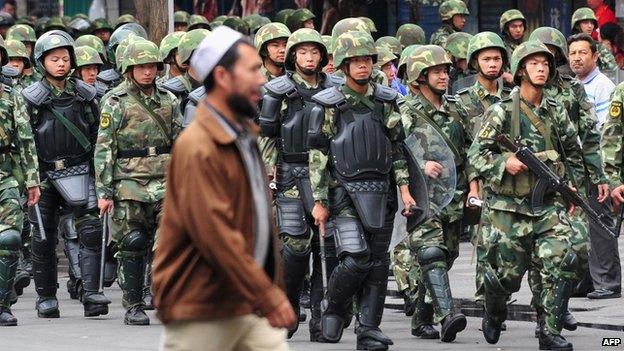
(86, 55)
(181, 17)
(300, 36)
(268, 32)
(122, 33)
(407, 52)
(6, 20)
(450, 8)
(255, 21)
(25, 20)
(369, 23)
(354, 44)
(237, 24)
(121, 50)
(51, 40)
(390, 43)
(282, 16)
(189, 42)
(297, 18)
(457, 44)
(486, 40)
(197, 22)
(93, 42)
(349, 25)
(141, 52)
(508, 16)
(526, 49)
(410, 34)
(101, 23)
(54, 23)
(123, 19)
(22, 32)
(552, 36)
(329, 44)
(583, 14)
(168, 44)
(218, 21)
(384, 55)
(425, 57)
(80, 26)
(15, 48)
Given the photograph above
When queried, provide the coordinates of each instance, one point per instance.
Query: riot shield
(425, 144)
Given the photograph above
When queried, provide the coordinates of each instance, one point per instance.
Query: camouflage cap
(101, 23)
(25, 20)
(54, 23)
(527, 49)
(6, 20)
(329, 44)
(237, 24)
(51, 40)
(407, 52)
(122, 33)
(384, 56)
(16, 48)
(22, 32)
(410, 34)
(390, 43)
(93, 42)
(141, 52)
(282, 15)
(349, 25)
(218, 21)
(121, 50)
(297, 18)
(486, 40)
(197, 22)
(508, 16)
(168, 44)
(123, 19)
(450, 8)
(370, 24)
(268, 32)
(457, 44)
(86, 55)
(300, 36)
(354, 44)
(181, 17)
(189, 42)
(583, 14)
(424, 57)
(255, 21)
(552, 36)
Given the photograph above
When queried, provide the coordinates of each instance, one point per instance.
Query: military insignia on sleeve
(486, 131)
(616, 109)
(105, 120)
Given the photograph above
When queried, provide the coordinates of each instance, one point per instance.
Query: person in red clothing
(604, 14)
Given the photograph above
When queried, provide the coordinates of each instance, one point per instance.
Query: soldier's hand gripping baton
(547, 179)
(42, 233)
(323, 265)
(103, 250)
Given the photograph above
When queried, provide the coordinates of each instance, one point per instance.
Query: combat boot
(569, 322)
(136, 316)
(148, 303)
(131, 279)
(424, 318)
(495, 306)
(295, 267)
(409, 306)
(6, 317)
(373, 295)
(47, 307)
(491, 330)
(94, 301)
(548, 341)
(95, 304)
(369, 338)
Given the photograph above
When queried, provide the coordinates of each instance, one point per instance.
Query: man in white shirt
(583, 59)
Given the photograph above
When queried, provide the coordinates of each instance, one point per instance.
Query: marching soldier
(270, 41)
(180, 21)
(453, 14)
(138, 125)
(511, 230)
(168, 49)
(98, 45)
(513, 25)
(26, 34)
(356, 188)
(460, 75)
(410, 34)
(88, 64)
(102, 29)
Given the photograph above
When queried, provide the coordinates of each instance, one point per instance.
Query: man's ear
(221, 77)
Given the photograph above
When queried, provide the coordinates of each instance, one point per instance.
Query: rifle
(547, 179)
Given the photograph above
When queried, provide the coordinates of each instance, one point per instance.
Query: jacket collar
(208, 121)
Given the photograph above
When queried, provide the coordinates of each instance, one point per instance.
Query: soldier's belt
(58, 165)
(147, 152)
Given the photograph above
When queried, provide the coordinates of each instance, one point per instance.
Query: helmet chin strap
(488, 77)
(434, 90)
(58, 79)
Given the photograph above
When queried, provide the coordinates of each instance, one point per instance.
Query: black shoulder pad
(332, 80)
(552, 102)
(280, 85)
(197, 94)
(329, 97)
(385, 93)
(36, 94)
(109, 76)
(463, 91)
(10, 72)
(85, 91)
(100, 88)
(174, 85)
(7, 88)
(450, 98)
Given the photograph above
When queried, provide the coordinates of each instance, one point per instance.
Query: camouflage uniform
(513, 235)
(457, 47)
(264, 35)
(168, 48)
(505, 18)
(111, 77)
(436, 242)
(98, 45)
(606, 60)
(391, 44)
(363, 257)
(180, 19)
(132, 152)
(611, 144)
(25, 34)
(16, 49)
(86, 56)
(447, 10)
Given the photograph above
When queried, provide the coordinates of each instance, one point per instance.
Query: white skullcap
(211, 50)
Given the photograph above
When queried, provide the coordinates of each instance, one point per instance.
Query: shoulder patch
(105, 120)
(552, 102)
(615, 110)
(463, 91)
(450, 98)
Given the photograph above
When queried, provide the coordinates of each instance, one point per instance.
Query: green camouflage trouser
(403, 262)
(11, 214)
(512, 241)
(11, 217)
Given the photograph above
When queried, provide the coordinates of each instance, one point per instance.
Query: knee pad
(135, 241)
(293, 252)
(430, 254)
(91, 233)
(570, 262)
(492, 283)
(67, 227)
(349, 237)
(291, 217)
(10, 240)
(358, 264)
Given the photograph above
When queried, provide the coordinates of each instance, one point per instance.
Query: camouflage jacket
(612, 137)
(440, 36)
(125, 125)
(476, 100)
(606, 60)
(510, 45)
(376, 77)
(320, 176)
(449, 120)
(570, 93)
(488, 158)
(265, 72)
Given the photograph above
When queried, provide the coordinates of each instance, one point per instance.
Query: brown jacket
(204, 267)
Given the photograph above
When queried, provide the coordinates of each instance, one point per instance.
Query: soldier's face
(360, 68)
(103, 34)
(537, 68)
(277, 50)
(179, 27)
(516, 29)
(389, 71)
(182, 66)
(582, 59)
(57, 62)
(490, 62)
(438, 77)
(88, 73)
(307, 58)
(587, 26)
(17, 63)
(29, 47)
(309, 24)
(459, 21)
(329, 68)
(144, 74)
(461, 64)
